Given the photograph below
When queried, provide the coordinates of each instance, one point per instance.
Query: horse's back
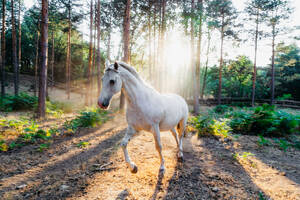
(175, 110)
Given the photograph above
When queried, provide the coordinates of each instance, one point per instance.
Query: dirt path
(210, 170)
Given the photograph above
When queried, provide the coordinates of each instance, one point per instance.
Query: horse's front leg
(129, 133)
(156, 134)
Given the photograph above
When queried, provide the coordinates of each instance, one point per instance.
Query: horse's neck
(133, 88)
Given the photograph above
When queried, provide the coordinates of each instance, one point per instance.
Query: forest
(235, 63)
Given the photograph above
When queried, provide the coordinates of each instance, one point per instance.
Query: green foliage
(88, 118)
(43, 147)
(243, 155)
(262, 141)
(83, 144)
(207, 125)
(283, 144)
(284, 97)
(221, 109)
(23, 101)
(264, 120)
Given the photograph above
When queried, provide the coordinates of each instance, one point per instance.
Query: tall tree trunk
(109, 40)
(254, 63)
(3, 50)
(126, 40)
(88, 92)
(193, 66)
(14, 50)
(36, 64)
(197, 71)
(162, 60)
(98, 48)
(44, 57)
(52, 61)
(68, 59)
(154, 43)
(93, 57)
(221, 62)
(149, 40)
(206, 64)
(273, 66)
(20, 33)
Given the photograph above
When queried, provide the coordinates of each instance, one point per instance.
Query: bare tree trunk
(206, 64)
(20, 33)
(162, 60)
(154, 43)
(126, 40)
(98, 48)
(273, 66)
(14, 50)
(193, 66)
(44, 57)
(198, 57)
(52, 61)
(3, 50)
(149, 40)
(221, 62)
(93, 57)
(90, 56)
(109, 40)
(254, 65)
(68, 59)
(36, 64)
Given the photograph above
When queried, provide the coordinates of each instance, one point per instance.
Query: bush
(264, 120)
(221, 109)
(284, 97)
(208, 126)
(23, 101)
(88, 118)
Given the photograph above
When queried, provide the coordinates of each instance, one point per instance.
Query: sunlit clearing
(177, 56)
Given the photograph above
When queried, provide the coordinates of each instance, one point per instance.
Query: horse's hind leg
(181, 129)
(129, 133)
(175, 136)
(156, 134)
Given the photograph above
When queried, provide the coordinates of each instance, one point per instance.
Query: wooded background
(47, 42)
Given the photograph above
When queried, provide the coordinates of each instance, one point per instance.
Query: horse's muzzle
(102, 105)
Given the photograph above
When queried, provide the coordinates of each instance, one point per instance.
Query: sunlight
(177, 52)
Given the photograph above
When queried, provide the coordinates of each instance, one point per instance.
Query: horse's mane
(130, 69)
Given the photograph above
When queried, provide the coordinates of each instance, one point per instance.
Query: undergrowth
(28, 131)
(263, 121)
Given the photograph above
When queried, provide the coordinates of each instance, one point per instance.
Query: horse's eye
(112, 82)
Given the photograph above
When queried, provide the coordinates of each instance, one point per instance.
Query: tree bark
(206, 64)
(87, 99)
(14, 50)
(20, 34)
(254, 63)
(149, 39)
(193, 64)
(221, 62)
(52, 61)
(126, 40)
(3, 50)
(98, 48)
(44, 57)
(36, 64)
(68, 59)
(197, 71)
(273, 66)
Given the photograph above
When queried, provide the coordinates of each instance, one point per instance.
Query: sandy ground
(209, 171)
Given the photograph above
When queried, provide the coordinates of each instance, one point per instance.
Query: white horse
(146, 110)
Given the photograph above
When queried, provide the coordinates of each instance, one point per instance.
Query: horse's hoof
(180, 159)
(162, 170)
(134, 170)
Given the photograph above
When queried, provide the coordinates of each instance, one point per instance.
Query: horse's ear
(116, 66)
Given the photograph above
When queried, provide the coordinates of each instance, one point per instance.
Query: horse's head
(111, 84)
